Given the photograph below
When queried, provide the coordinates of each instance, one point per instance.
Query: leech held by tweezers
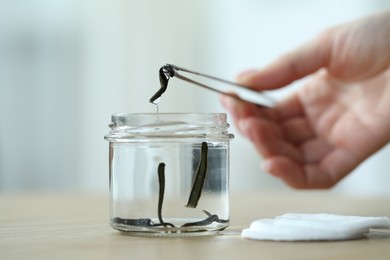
(200, 177)
(234, 90)
(165, 73)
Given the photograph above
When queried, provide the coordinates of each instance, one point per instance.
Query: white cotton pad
(301, 227)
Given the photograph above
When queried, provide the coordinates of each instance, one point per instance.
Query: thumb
(290, 67)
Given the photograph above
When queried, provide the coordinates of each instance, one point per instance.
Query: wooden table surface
(77, 227)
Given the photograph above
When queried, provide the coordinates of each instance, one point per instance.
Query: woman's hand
(338, 119)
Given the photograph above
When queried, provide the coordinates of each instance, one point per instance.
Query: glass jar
(169, 174)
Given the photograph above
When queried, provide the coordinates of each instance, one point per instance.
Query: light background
(67, 65)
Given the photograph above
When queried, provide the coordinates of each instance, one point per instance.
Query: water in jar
(136, 188)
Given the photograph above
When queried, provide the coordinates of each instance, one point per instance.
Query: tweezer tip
(169, 69)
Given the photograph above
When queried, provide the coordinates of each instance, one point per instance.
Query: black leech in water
(207, 221)
(165, 73)
(141, 222)
(192, 202)
(161, 182)
(199, 178)
(147, 222)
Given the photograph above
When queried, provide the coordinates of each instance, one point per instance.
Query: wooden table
(76, 227)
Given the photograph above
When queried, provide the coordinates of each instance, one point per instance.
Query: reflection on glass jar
(169, 174)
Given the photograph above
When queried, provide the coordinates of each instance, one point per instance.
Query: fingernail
(245, 128)
(227, 102)
(266, 165)
(246, 75)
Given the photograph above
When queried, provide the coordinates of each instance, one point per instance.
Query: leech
(165, 73)
(231, 89)
(161, 181)
(147, 222)
(143, 222)
(199, 178)
(139, 222)
(192, 201)
(207, 221)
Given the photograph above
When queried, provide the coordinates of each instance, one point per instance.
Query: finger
(315, 150)
(338, 163)
(268, 138)
(290, 67)
(292, 118)
(289, 107)
(297, 130)
(238, 108)
(298, 176)
(286, 169)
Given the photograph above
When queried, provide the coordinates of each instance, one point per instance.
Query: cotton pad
(303, 227)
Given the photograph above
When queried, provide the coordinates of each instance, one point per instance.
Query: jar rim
(121, 115)
(130, 126)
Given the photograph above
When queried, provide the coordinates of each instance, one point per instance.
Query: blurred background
(67, 65)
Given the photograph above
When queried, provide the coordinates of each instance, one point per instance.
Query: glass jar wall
(169, 174)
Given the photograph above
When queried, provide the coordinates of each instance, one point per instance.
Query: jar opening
(176, 125)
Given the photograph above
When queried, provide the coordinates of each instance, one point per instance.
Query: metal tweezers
(234, 90)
